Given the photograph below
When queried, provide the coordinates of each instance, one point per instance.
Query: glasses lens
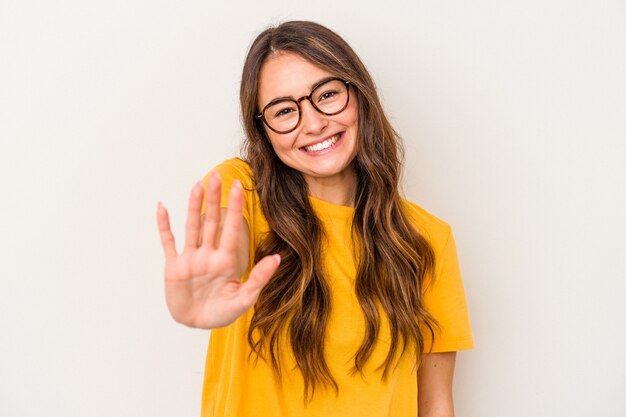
(330, 97)
(282, 116)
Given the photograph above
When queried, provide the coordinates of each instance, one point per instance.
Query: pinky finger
(258, 278)
(165, 231)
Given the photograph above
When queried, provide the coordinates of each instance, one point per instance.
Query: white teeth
(323, 145)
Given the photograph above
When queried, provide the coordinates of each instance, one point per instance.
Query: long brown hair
(393, 259)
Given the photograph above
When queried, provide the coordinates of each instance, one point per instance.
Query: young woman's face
(322, 147)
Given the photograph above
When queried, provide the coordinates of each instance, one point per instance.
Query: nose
(312, 121)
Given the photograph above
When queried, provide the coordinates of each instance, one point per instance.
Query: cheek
(352, 121)
(352, 113)
(281, 143)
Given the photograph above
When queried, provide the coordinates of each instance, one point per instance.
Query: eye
(284, 111)
(326, 95)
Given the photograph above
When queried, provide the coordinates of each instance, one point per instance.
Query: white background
(514, 120)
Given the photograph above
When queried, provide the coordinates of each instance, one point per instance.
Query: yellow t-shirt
(237, 386)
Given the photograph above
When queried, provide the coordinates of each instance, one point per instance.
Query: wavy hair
(393, 260)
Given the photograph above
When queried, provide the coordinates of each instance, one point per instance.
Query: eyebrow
(313, 87)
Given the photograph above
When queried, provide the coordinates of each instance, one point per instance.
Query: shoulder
(236, 169)
(229, 171)
(234, 166)
(444, 294)
(434, 229)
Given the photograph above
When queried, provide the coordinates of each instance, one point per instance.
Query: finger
(192, 227)
(232, 223)
(258, 278)
(212, 212)
(167, 238)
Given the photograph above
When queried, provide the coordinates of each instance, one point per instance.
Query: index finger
(232, 223)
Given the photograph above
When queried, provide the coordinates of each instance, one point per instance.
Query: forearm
(436, 410)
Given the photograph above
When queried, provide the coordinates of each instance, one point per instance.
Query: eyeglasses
(330, 97)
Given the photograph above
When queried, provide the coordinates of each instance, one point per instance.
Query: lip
(341, 135)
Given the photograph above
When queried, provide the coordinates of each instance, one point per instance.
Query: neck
(338, 189)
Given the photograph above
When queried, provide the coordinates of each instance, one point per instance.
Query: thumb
(258, 278)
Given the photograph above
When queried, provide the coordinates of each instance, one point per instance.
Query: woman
(356, 293)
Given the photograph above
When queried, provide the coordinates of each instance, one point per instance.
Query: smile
(317, 147)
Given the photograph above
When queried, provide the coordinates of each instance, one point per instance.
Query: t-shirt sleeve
(444, 297)
(229, 171)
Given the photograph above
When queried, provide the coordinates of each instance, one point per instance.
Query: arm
(435, 385)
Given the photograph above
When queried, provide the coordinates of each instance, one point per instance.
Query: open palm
(203, 285)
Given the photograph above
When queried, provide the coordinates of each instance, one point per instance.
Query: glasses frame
(261, 115)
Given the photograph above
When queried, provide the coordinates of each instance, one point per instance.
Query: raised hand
(202, 283)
